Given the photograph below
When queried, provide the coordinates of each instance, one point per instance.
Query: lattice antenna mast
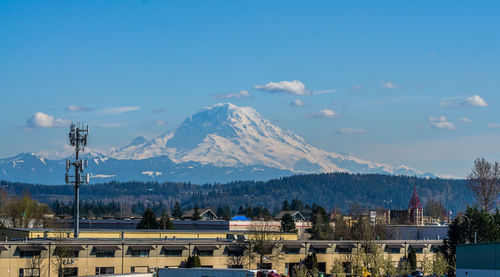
(78, 139)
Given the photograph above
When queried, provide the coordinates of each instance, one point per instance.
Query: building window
(393, 250)
(265, 265)
(70, 271)
(105, 253)
(319, 250)
(140, 253)
(419, 250)
(235, 266)
(173, 253)
(344, 250)
(28, 254)
(347, 267)
(29, 272)
(104, 270)
(66, 254)
(292, 250)
(205, 253)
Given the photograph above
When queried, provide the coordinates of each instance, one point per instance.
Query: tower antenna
(78, 139)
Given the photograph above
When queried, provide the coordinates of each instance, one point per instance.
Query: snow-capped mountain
(219, 143)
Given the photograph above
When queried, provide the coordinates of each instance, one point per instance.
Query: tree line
(328, 190)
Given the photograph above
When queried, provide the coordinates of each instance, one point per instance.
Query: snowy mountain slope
(225, 135)
(218, 144)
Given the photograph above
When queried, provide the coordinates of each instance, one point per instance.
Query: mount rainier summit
(220, 143)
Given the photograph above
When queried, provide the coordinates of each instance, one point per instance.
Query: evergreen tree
(412, 259)
(219, 212)
(165, 222)
(311, 263)
(196, 213)
(286, 206)
(321, 229)
(288, 223)
(248, 212)
(148, 220)
(177, 211)
(241, 210)
(193, 261)
(226, 213)
(296, 205)
(475, 224)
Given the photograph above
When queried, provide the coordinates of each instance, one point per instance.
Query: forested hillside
(328, 190)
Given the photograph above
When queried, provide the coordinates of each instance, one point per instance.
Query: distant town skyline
(392, 82)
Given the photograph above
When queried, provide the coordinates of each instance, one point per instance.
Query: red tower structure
(415, 210)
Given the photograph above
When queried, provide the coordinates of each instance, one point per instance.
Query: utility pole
(77, 138)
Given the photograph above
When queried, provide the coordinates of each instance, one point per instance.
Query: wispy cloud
(294, 87)
(42, 120)
(237, 95)
(465, 120)
(390, 85)
(325, 113)
(325, 91)
(72, 108)
(441, 123)
(493, 125)
(160, 122)
(472, 101)
(350, 131)
(297, 103)
(118, 110)
(356, 88)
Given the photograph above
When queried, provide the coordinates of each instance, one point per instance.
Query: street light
(468, 227)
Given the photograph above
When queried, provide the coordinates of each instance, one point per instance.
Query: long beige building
(95, 256)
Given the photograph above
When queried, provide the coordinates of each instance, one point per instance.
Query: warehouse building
(144, 252)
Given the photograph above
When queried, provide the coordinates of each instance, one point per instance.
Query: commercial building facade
(95, 256)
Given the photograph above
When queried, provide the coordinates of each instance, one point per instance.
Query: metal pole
(77, 185)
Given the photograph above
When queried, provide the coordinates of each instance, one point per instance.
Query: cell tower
(77, 138)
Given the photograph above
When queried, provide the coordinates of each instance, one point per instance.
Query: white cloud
(42, 120)
(325, 113)
(297, 103)
(350, 131)
(493, 125)
(72, 108)
(118, 110)
(441, 123)
(473, 101)
(238, 95)
(294, 87)
(389, 85)
(465, 120)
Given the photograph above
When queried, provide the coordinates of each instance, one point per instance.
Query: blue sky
(400, 82)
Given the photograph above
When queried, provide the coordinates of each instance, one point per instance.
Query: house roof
(292, 213)
(202, 212)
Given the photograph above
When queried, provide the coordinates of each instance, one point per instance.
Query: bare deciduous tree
(483, 180)
(65, 256)
(238, 255)
(34, 265)
(265, 244)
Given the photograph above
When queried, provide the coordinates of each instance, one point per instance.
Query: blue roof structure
(240, 218)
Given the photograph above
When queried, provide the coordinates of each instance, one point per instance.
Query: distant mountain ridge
(220, 143)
